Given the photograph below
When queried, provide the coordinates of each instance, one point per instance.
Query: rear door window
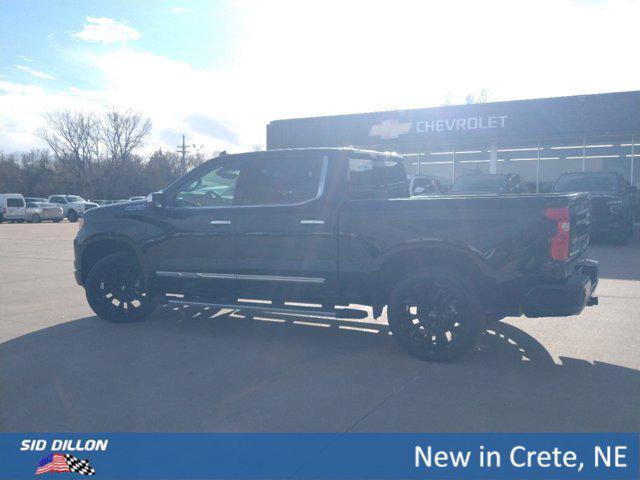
(15, 202)
(286, 181)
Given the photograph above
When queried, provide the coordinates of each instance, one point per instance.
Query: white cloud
(179, 10)
(35, 73)
(344, 57)
(26, 104)
(106, 30)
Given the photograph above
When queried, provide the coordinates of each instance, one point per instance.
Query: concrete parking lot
(62, 369)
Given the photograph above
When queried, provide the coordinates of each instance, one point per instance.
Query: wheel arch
(397, 264)
(102, 246)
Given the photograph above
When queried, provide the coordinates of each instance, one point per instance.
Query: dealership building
(538, 139)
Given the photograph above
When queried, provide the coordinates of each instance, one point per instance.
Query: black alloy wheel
(435, 314)
(116, 290)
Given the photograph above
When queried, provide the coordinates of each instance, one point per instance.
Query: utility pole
(182, 149)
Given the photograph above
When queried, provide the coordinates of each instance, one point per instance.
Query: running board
(266, 308)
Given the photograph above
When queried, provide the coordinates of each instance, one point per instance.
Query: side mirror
(157, 200)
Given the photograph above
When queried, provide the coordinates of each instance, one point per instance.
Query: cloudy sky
(218, 71)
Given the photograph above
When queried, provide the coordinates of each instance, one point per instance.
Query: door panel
(191, 242)
(292, 249)
(193, 251)
(287, 242)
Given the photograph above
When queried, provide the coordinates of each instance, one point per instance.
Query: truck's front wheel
(435, 314)
(116, 290)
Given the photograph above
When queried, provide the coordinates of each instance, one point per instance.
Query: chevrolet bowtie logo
(389, 129)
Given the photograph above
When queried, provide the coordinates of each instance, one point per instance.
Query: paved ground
(61, 369)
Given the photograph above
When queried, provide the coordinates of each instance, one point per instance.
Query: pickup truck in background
(335, 227)
(73, 206)
(611, 201)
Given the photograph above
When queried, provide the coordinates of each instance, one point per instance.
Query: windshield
(74, 198)
(586, 183)
(481, 183)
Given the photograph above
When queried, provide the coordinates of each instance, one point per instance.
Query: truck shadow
(203, 370)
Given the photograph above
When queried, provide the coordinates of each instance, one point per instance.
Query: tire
(72, 215)
(36, 218)
(435, 314)
(115, 289)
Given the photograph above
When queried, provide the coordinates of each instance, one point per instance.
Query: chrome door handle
(312, 222)
(220, 222)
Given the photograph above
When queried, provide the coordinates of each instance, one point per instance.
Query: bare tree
(74, 140)
(121, 133)
(481, 97)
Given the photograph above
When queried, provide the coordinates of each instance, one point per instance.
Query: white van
(12, 207)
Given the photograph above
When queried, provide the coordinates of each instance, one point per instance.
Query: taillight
(559, 249)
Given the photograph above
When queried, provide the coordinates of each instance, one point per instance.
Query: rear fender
(416, 255)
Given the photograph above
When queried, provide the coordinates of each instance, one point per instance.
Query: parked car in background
(503, 183)
(136, 199)
(41, 211)
(35, 199)
(72, 205)
(12, 207)
(611, 201)
(426, 185)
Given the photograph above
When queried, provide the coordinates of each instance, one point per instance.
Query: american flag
(58, 462)
(54, 462)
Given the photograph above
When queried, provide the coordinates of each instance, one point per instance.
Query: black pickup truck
(611, 201)
(337, 227)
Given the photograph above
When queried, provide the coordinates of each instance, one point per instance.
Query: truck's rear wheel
(435, 314)
(116, 289)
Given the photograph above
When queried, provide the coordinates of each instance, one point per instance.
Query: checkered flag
(79, 466)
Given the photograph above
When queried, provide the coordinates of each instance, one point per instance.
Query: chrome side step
(266, 308)
(256, 308)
